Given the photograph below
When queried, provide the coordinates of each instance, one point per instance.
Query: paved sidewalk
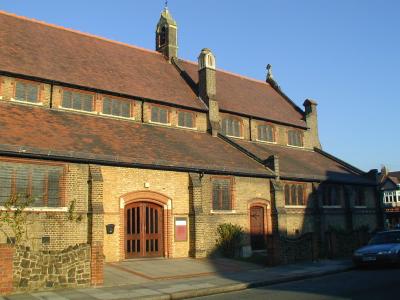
(202, 285)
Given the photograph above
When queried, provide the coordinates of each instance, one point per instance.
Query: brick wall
(206, 220)
(342, 244)
(120, 181)
(55, 224)
(6, 268)
(284, 250)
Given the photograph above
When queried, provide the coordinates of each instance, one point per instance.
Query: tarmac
(187, 278)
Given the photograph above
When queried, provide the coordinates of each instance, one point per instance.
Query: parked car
(383, 248)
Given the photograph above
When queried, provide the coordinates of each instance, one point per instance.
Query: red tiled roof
(249, 96)
(395, 174)
(33, 48)
(304, 164)
(58, 134)
(45, 51)
(394, 178)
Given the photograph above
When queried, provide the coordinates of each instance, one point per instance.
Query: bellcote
(166, 35)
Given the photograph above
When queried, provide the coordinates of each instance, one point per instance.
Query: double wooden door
(257, 228)
(143, 230)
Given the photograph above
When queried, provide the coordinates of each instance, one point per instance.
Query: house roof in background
(58, 134)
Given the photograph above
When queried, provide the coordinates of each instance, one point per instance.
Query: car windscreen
(385, 238)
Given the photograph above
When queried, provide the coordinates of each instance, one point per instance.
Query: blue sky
(345, 54)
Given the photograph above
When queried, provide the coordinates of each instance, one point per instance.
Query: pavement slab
(128, 285)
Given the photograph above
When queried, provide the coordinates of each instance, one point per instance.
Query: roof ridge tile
(231, 73)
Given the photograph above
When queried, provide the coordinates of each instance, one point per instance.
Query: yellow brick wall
(57, 225)
(120, 181)
(298, 222)
(245, 190)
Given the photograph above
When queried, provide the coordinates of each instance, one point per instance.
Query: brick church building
(142, 154)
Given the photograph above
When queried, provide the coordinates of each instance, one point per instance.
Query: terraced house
(139, 153)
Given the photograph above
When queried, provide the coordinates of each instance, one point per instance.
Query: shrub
(229, 239)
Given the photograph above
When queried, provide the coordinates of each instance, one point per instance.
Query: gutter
(104, 162)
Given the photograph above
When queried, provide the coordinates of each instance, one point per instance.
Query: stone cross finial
(166, 4)
(269, 72)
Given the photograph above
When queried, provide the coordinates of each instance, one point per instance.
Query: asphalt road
(358, 284)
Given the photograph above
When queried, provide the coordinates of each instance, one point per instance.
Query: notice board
(181, 229)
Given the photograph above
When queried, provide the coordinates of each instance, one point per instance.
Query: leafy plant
(230, 238)
(15, 217)
(72, 216)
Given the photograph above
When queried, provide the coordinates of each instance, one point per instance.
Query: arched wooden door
(143, 230)
(257, 227)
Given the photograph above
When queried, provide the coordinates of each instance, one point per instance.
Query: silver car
(383, 248)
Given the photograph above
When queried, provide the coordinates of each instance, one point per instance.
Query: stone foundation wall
(34, 270)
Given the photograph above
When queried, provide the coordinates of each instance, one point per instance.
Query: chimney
(272, 162)
(208, 87)
(312, 122)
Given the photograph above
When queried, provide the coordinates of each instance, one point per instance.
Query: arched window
(163, 36)
(266, 133)
(295, 194)
(210, 61)
(295, 138)
(231, 127)
(332, 195)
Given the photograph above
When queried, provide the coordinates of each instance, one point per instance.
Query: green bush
(229, 239)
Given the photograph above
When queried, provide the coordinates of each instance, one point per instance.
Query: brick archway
(265, 205)
(149, 197)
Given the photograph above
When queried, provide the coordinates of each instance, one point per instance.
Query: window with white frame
(77, 101)
(231, 127)
(266, 133)
(159, 114)
(116, 107)
(186, 119)
(26, 91)
(295, 138)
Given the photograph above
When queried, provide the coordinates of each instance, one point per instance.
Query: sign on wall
(180, 229)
